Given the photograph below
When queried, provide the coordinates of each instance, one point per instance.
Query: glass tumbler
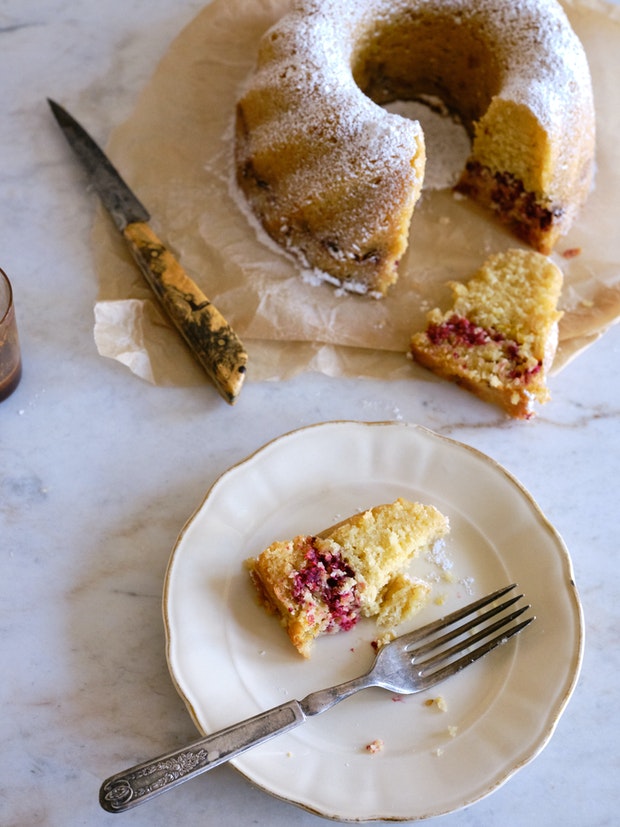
(10, 354)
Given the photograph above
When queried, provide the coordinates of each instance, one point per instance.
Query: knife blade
(212, 340)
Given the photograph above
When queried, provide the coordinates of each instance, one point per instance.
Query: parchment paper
(176, 152)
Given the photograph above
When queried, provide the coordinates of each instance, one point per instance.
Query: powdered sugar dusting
(440, 559)
(447, 142)
(533, 37)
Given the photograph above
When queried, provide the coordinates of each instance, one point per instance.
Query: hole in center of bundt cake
(424, 51)
(447, 142)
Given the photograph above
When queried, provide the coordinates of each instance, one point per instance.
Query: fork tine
(432, 679)
(430, 628)
(445, 654)
(458, 631)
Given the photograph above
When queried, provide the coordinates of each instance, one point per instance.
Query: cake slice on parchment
(322, 584)
(500, 336)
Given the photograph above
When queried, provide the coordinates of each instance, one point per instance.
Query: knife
(211, 339)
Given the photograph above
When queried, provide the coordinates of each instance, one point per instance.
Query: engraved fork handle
(124, 790)
(138, 784)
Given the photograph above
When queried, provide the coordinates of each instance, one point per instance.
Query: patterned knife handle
(212, 340)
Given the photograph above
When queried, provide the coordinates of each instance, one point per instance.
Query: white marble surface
(99, 471)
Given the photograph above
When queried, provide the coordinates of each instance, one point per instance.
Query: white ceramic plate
(230, 660)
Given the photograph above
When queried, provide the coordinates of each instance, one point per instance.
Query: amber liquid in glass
(10, 355)
(10, 369)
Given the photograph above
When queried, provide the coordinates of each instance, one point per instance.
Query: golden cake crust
(334, 178)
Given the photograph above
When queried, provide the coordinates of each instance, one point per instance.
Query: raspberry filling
(509, 196)
(459, 331)
(327, 578)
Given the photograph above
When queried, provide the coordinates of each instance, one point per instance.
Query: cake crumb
(374, 746)
(382, 641)
(452, 730)
(439, 702)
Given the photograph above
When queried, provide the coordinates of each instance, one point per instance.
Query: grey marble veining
(99, 472)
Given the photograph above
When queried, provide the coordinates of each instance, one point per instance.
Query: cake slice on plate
(500, 336)
(322, 584)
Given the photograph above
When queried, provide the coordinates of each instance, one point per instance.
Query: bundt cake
(322, 584)
(499, 338)
(334, 178)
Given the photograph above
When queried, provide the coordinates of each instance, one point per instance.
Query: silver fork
(410, 663)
